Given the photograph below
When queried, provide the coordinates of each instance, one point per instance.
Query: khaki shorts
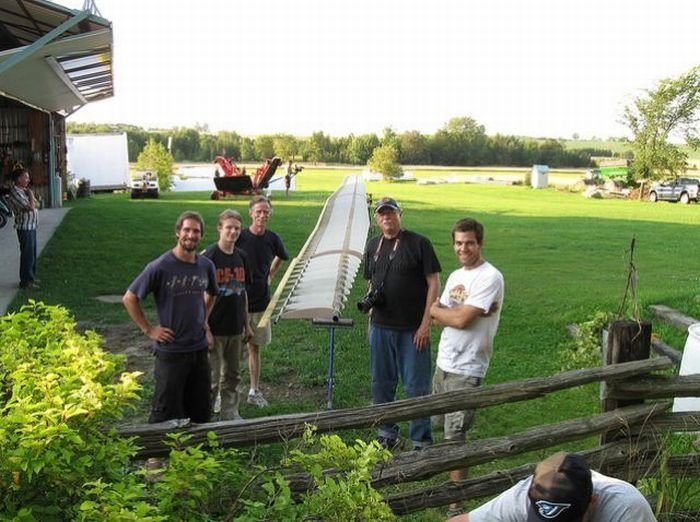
(261, 336)
(456, 423)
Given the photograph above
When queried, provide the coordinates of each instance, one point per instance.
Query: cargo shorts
(457, 423)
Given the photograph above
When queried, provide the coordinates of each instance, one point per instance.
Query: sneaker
(257, 399)
(217, 404)
(388, 443)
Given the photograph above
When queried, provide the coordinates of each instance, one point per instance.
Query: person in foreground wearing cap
(564, 489)
(402, 270)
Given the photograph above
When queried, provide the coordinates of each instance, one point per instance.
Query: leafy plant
(346, 494)
(585, 351)
(155, 157)
(60, 395)
(385, 160)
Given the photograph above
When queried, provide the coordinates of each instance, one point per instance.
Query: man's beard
(184, 243)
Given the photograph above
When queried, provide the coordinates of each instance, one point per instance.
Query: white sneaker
(257, 399)
(217, 404)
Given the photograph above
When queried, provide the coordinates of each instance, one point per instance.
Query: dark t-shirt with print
(232, 275)
(178, 289)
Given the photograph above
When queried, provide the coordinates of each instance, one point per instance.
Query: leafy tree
(318, 147)
(385, 160)
(207, 147)
(414, 149)
(185, 145)
(286, 146)
(341, 149)
(247, 149)
(389, 137)
(156, 158)
(668, 111)
(228, 144)
(361, 148)
(462, 141)
(264, 146)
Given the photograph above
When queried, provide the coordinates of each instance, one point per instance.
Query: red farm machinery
(231, 180)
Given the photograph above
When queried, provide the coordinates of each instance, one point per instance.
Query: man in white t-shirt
(564, 489)
(470, 310)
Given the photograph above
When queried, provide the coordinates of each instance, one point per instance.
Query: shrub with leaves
(345, 494)
(60, 395)
(62, 459)
(585, 350)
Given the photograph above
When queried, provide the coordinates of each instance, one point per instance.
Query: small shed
(539, 177)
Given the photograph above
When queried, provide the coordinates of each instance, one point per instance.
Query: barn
(53, 61)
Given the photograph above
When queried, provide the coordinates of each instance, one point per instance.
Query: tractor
(235, 180)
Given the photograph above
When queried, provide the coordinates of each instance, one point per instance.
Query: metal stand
(331, 324)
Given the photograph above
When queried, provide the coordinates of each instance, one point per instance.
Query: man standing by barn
(470, 310)
(26, 210)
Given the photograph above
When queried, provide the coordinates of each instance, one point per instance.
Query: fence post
(628, 340)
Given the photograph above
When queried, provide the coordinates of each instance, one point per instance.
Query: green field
(563, 258)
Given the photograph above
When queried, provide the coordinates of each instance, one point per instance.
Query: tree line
(460, 142)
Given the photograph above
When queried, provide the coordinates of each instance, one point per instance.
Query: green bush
(585, 351)
(60, 395)
(155, 157)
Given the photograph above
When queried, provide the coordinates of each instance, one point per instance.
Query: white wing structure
(319, 279)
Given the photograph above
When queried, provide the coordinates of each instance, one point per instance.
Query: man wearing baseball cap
(564, 489)
(402, 270)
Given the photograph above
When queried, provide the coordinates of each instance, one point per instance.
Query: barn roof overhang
(54, 58)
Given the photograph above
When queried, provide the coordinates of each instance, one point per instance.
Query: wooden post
(628, 340)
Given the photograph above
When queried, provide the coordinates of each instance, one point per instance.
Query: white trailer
(102, 159)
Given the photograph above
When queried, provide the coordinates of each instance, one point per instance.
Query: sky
(537, 68)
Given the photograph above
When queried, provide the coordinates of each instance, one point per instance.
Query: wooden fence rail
(419, 465)
(630, 465)
(150, 437)
(632, 434)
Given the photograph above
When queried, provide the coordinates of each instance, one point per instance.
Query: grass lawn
(563, 258)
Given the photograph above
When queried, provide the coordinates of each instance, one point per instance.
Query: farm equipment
(144, 185)
(236, 181)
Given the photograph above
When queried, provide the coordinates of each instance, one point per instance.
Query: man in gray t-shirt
(564, 489)
(183, 284)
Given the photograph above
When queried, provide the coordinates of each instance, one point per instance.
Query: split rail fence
(636, 415)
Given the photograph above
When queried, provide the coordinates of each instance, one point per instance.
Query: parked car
(144, 185)
(684, 190)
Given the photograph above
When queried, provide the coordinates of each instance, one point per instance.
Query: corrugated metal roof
(52, 57)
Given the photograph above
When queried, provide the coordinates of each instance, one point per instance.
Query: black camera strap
(392, 255)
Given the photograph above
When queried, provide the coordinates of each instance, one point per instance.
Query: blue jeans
(393, 355)
(27, 256)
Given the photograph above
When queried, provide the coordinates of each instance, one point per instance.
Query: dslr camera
(374, 297)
